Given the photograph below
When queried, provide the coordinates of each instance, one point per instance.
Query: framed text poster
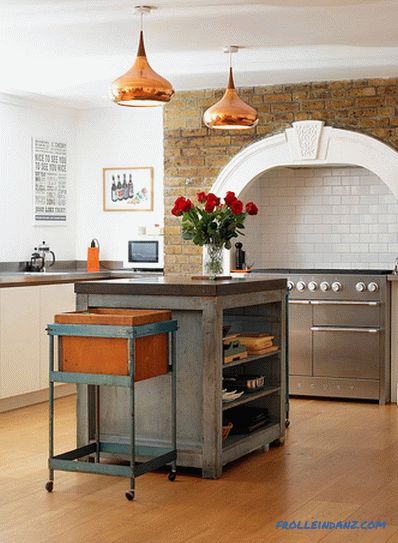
(128, 189)
(49, 182)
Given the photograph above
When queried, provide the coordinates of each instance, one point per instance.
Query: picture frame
(128, 188)
(49, 181)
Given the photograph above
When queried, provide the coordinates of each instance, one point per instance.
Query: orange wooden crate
(110, 355)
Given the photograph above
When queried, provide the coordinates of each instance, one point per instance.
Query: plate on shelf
(231, 396)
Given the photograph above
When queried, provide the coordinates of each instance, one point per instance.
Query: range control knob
(301, 286)
(312, 285)
(373, 287)
(290, 285)
(324, 286)
(336, 286)
(360, 287)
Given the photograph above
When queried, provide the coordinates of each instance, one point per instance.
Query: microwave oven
(145, 253)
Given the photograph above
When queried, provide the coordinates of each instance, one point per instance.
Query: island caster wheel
(49, 486)
(172, 475)
(129, 495)
(278, 442)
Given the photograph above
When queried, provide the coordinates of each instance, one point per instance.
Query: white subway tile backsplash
(359, 228)
(349, 200)
(388, 218)
(350, 180)
(360, 190)
(343, 228)
(341, 190)
(368, 219)
(322, 217)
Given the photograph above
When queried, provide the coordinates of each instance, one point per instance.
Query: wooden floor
(340, 461)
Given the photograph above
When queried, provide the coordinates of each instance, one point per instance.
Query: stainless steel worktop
(25, 279)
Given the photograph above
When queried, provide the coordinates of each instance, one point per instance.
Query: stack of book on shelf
(258, 344)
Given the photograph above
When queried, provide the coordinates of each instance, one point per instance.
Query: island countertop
(180, 286)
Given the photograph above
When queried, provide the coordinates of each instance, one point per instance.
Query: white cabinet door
(19, 340)
(53, 299)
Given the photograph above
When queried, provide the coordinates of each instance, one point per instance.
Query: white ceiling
(72, 49)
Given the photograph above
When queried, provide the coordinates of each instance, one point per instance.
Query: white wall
(19, 121)
(322, 218)
(115, 137)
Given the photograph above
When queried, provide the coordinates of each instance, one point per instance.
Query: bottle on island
(119, 189)
(130, 187)
(125, 188)
(114, 190)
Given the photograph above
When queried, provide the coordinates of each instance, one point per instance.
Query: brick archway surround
(356, 116)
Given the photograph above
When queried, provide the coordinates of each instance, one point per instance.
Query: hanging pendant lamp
(141, 86)
(231, 112)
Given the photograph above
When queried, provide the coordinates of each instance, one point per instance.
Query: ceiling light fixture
(231, 112)
(141, 86)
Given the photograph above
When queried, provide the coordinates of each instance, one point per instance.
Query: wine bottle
(119, 189)
(130, 187)
(114, 190)
(125, 189)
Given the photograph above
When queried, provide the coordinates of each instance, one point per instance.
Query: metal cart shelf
(158, 457)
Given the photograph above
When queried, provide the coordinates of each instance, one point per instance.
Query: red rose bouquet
(212, 221)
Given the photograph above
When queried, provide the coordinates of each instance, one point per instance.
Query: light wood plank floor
(340, 461)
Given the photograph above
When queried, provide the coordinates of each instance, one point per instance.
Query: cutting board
(256, 342)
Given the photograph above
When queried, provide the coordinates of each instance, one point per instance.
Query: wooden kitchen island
(201, 308)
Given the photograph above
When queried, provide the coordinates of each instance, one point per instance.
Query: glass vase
(213, 261)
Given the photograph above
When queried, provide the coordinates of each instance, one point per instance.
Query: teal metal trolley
(158, 456)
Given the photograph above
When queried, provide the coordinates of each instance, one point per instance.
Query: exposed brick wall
(194, 155)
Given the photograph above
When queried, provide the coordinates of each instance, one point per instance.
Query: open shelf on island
(250, 397)
(250, 359)
(245, 443)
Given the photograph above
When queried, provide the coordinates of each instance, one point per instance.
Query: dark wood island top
(180, 286)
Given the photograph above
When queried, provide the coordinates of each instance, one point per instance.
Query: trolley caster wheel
(129, 495)
(287, 423)
(49, 486)
(172, 476)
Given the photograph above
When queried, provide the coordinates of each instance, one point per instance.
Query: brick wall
(194, 155)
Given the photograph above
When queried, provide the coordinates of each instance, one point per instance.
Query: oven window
(143, 251)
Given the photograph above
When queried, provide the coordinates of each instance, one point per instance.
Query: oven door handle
(344, 329)
(301, 302)
(340, 302)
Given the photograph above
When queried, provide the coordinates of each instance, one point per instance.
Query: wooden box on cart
(110, 355)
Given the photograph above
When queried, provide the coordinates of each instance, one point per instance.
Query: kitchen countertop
(180, 286)
(28, 279)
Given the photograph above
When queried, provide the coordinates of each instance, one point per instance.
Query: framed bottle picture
(128, 189)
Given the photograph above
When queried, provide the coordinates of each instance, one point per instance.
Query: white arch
(309, 143)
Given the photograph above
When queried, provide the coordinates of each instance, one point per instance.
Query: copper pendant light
(231, 112)
(141, 86)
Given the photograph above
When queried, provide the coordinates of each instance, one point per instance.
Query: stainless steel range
(339, 342)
